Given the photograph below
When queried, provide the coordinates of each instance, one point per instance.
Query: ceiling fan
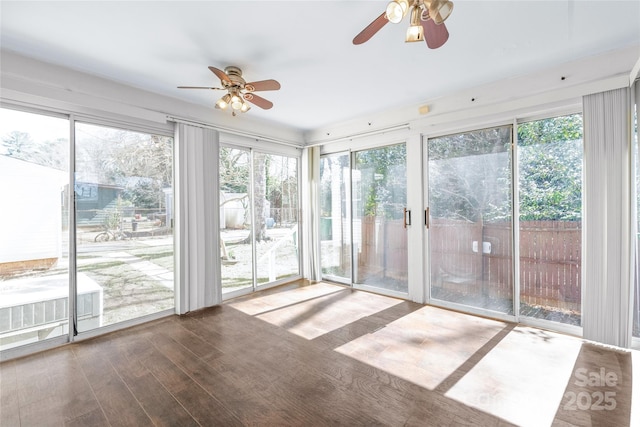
(239, 91)
(426, 21)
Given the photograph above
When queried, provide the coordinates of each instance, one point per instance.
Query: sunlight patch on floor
(255, 304)
(314, 310)
(424, 347)
(523, 379)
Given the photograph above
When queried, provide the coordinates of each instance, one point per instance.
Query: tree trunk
(260, 191)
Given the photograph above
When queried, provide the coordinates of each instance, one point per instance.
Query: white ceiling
(306, 46)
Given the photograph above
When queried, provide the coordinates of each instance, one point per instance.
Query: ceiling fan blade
(199, 87)
(258, 100)
(221, 74)
(371, 29)
(262, 85)
(434, 34)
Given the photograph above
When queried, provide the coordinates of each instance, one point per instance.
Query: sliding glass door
(275, 191)
(379, 189)
(236, 244)
(335, 217)
(470, 229)
(470, 234)
(363, 218)
(124, 225)
(34, 225)
(259, 228)
(123, 243)
(550, 154)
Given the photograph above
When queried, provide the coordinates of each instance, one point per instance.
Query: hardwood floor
(323, 354)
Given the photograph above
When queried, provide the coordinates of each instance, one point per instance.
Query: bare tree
(260, 193)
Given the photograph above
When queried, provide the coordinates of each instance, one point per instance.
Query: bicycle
(109, 234)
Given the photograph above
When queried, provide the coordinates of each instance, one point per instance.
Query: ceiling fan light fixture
(439, 10)
(223, 102)
(238, 91)
(236, 101)
(415, 33)
(395, 12)
(424, 13)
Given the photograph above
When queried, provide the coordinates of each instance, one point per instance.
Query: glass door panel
(550, 153)
(236, 245)
(275, 227)
(335, 223)
(470, 234)
(34, 225)
(379, 183)
(124, 215)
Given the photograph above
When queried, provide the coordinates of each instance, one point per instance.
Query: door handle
(426, 217)
(406, 217)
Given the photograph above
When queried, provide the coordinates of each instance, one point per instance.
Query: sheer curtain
(311, 212)
(197, 222)
(608, 244)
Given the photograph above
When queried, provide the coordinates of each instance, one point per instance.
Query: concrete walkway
(154, 271)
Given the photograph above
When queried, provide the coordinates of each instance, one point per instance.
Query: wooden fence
(550, 263)
(383, 249)
(480, 257)
(476, 259)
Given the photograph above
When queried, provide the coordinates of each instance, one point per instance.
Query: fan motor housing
(235, 75)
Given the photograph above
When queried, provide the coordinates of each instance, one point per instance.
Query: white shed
(32, 233)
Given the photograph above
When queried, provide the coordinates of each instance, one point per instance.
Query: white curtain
(311, 212)
(608, 244)
(197, 222)
(634, 211)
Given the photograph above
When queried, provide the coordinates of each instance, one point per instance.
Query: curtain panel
(635, 91)
(197, 223)
(609, 248)
(311, 213)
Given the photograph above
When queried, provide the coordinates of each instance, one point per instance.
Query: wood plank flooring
(321, 354)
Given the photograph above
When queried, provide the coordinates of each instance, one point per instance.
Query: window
(124, 225)
(550, 154)
(34, 222)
